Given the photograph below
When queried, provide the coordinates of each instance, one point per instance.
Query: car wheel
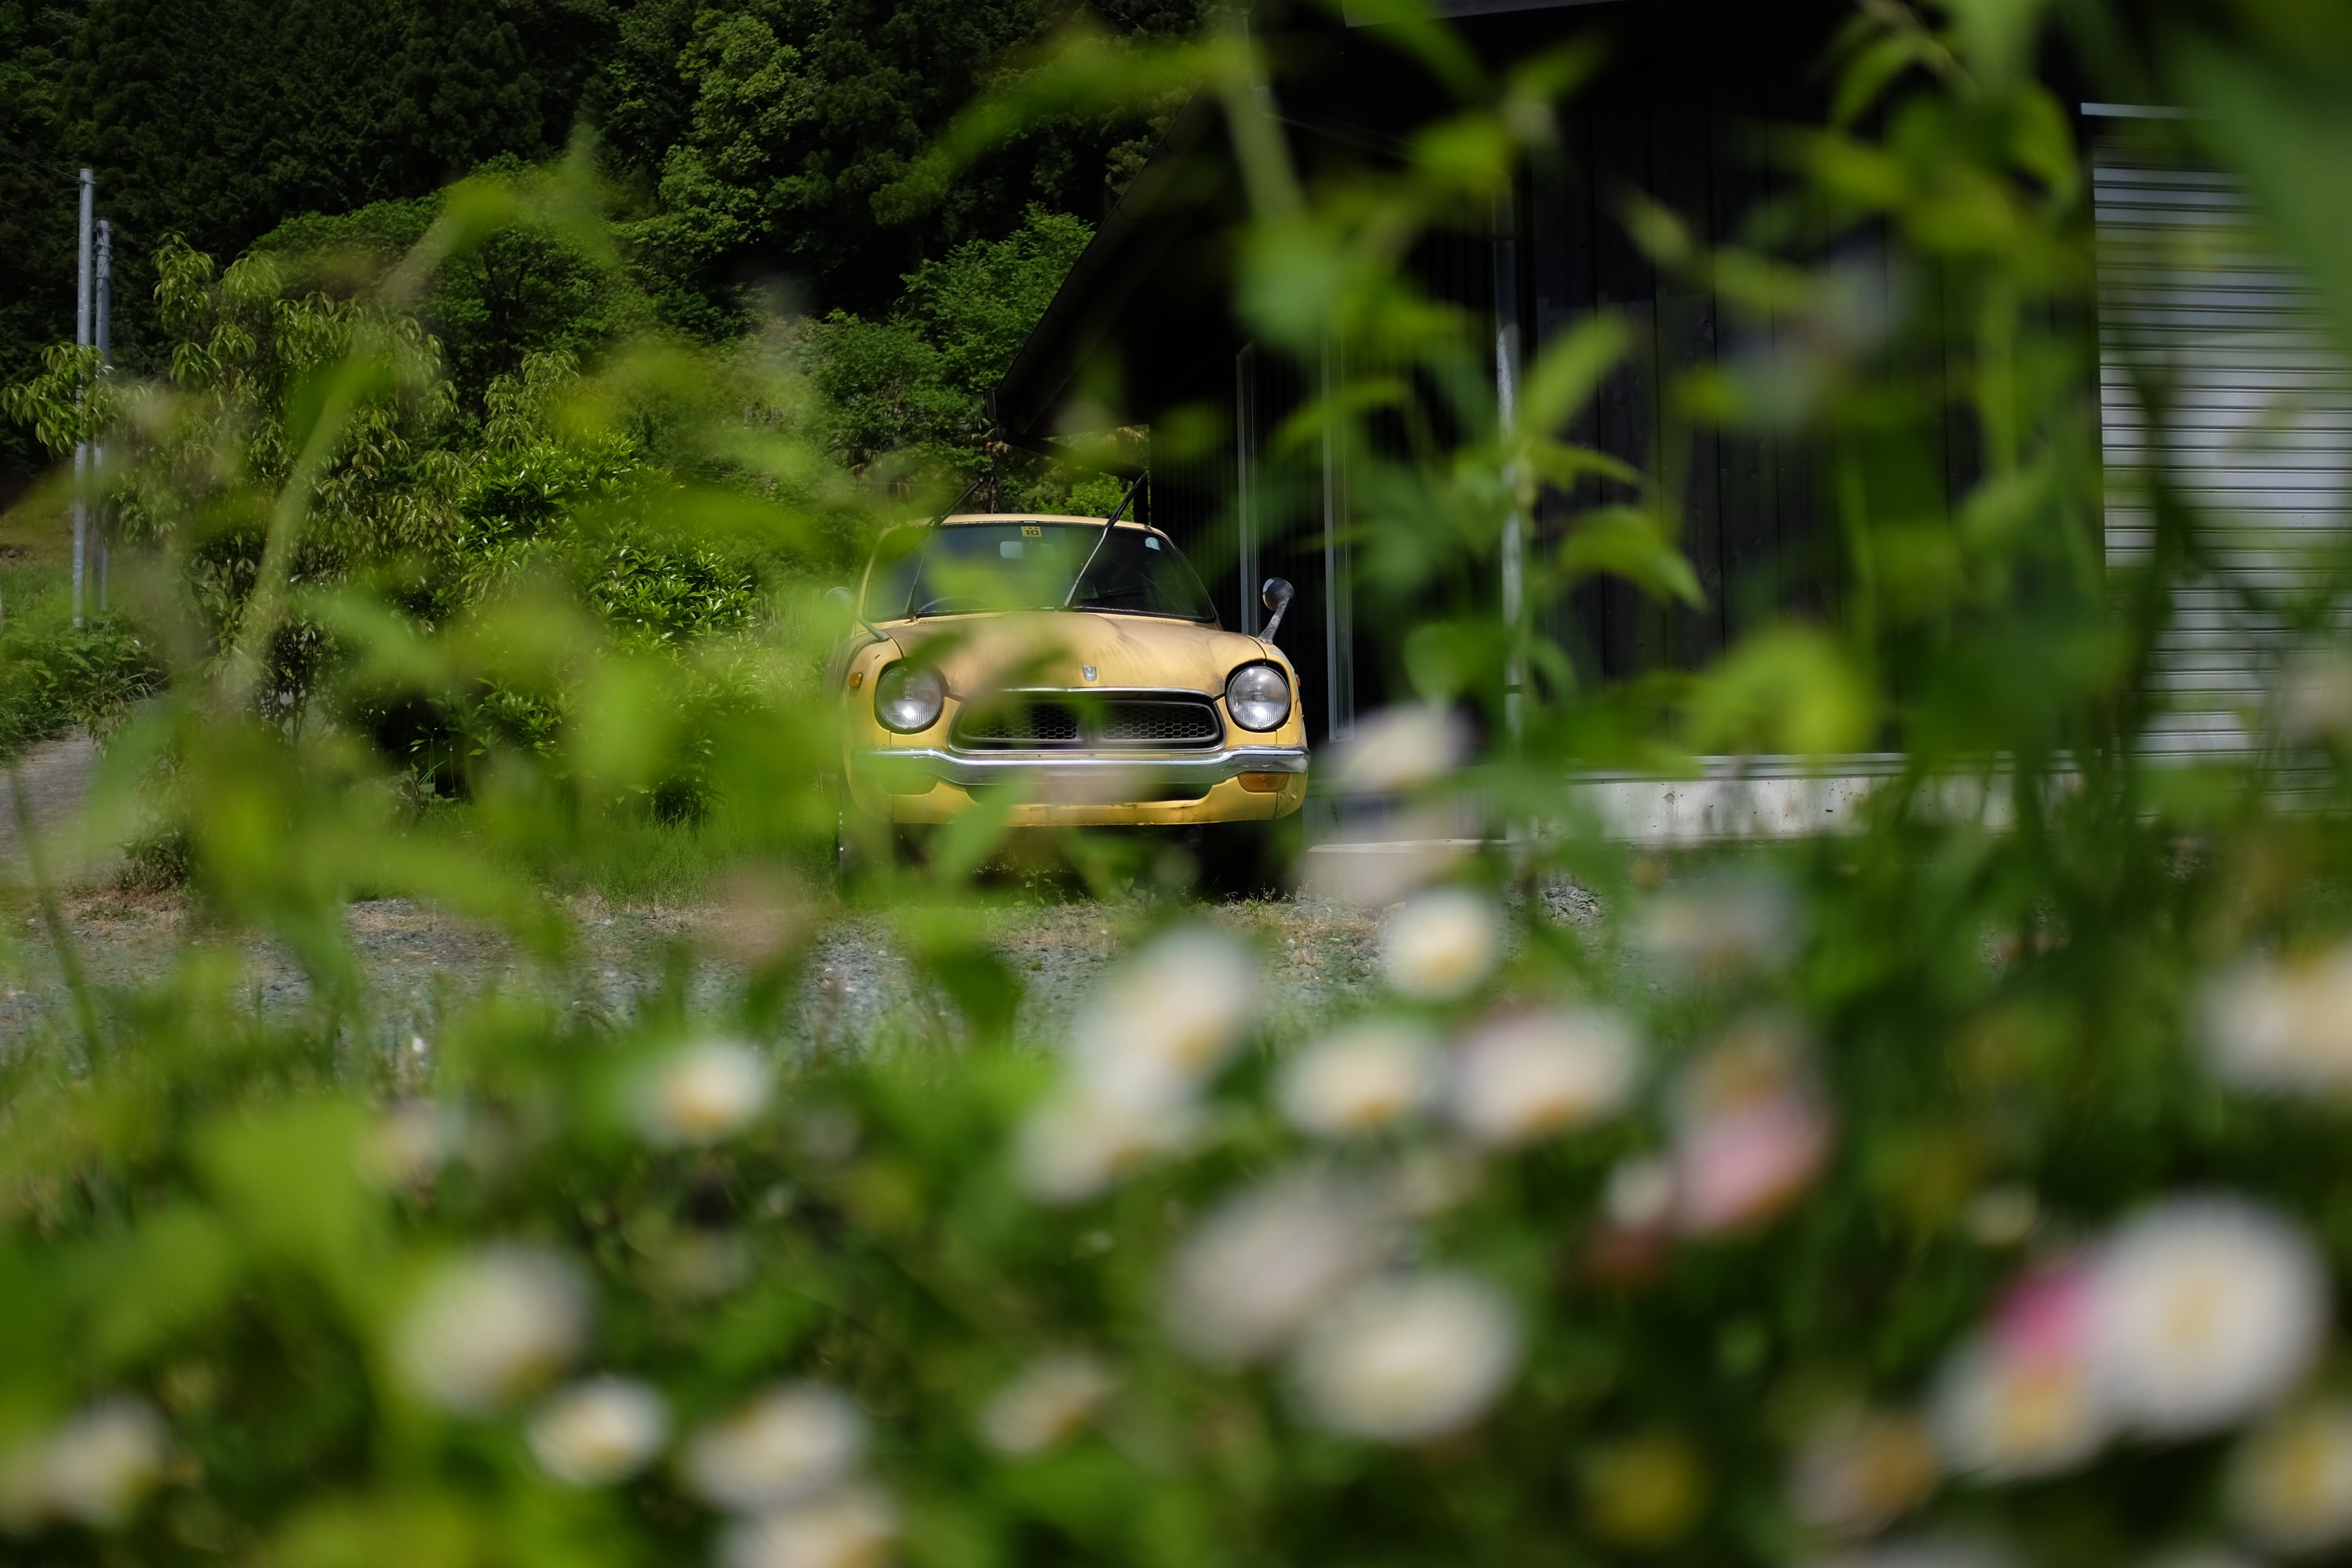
(861, 857)
(856, 855)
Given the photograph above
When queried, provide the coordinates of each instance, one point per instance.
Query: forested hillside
(750, 145)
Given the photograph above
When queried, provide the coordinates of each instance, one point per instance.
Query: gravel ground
(857, 991)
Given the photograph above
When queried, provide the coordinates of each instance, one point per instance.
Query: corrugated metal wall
(2252, 424)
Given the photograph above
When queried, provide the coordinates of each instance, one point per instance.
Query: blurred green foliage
(1660, 1212)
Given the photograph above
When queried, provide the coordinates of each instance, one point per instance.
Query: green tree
(756, 143)
(727, 178)
(524, 290)
(37, 209)
(913, 388)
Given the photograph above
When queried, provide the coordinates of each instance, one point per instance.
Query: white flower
(790, 1443)
(1050, 1402)
(1075, 1144)
(1722, 924)
(1168, 1021)
(1359, 1080)
(2291, 1483)
(702, 1093)
(1399, 749)
(855, 1527)
(1440, 946)
(1265, 1262)
(1387, 858)
(2274, 1025)
(1527, 1074)
(411, 1143)
(97, 1466)
(600, 1431)
(2203, 1311)
(1859, 1470)
(490, 1327)
(2006, 1414)
(1402, 1360)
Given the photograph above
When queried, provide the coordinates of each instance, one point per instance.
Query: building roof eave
(1183, 174)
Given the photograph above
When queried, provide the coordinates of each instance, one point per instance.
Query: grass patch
(629, 860)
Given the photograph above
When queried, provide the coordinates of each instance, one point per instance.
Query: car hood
(1052, 648)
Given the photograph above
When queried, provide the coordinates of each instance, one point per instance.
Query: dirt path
(56, 779)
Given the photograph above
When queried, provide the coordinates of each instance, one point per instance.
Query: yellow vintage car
(1069, 672)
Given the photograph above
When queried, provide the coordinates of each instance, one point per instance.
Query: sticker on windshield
(1009, 548)
(1029, 531)
(1150, 543)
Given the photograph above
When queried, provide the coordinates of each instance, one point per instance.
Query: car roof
(963, 518)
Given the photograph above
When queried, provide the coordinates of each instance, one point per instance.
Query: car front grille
(1022, 723)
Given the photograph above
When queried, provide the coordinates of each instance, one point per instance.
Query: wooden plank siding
(1691, 128)
(1682, 116)
(1748, 462)
(1626, 409)
(1244, 507)
(1695, 108)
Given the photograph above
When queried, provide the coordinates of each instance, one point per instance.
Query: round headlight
(1258, 697)
(908, 699)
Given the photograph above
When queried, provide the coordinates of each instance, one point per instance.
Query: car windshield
(971, 567)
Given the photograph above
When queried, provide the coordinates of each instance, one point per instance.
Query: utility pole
(1506, 398)
(1507, 345)
(82, 290)
(105, 360)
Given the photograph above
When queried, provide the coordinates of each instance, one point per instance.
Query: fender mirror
(842, 602)
(1275, 596)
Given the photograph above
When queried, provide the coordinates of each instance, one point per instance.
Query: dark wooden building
(1682, 114)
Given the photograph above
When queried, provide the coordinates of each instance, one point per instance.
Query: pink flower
(2018, 1400)
(1751, 1164)
(1752, 1132)
(2046, 1316)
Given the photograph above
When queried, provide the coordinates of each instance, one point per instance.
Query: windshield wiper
(924, 555)
(1109, 524)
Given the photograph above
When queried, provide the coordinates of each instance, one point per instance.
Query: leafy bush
(58, 677)
(443, 512)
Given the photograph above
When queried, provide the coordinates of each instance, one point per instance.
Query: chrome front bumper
(1093, 778)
